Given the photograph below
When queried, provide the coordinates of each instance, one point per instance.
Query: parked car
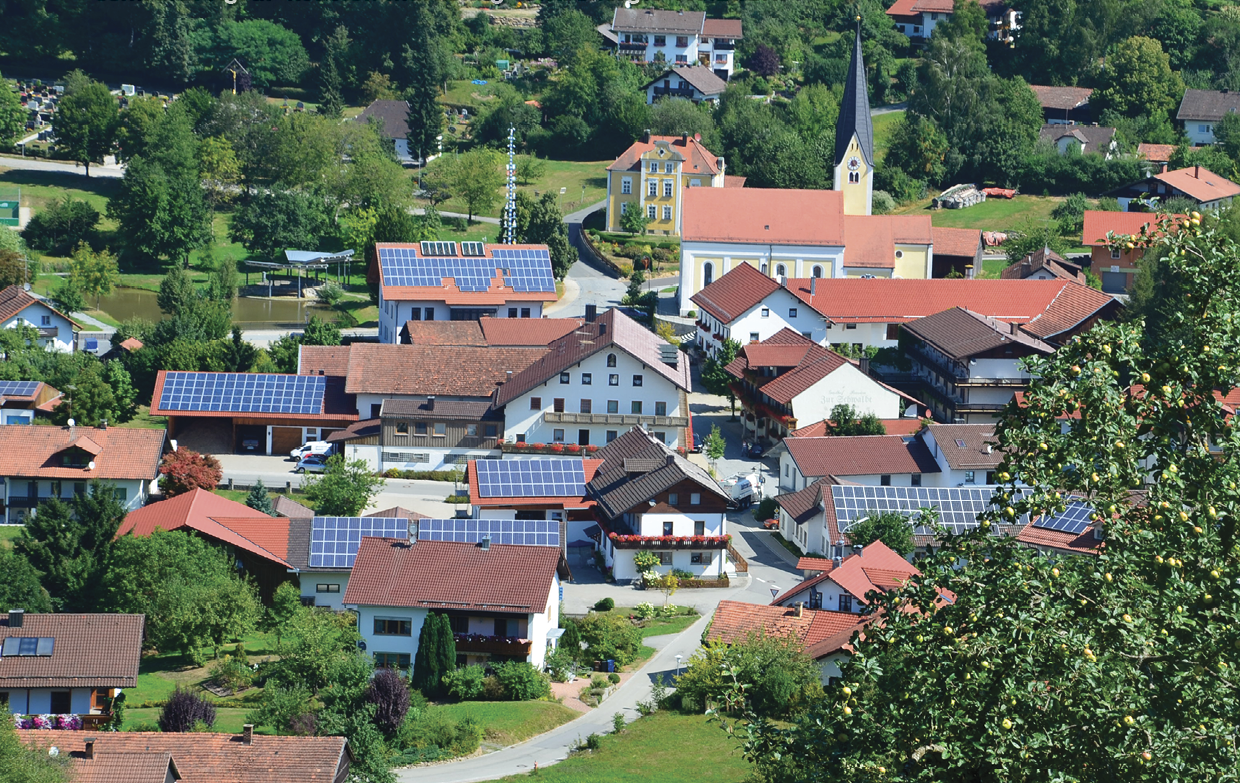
(312, 447)
(771, 524)
(312, 463)
(698, 442)
(751, 449)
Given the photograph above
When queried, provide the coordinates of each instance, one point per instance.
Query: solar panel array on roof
(438, 248)
(18, 388)
(524, 270)
(958, 507)
(235, 392)
(334, 540)
(528, 532)
(473, 249)
(1075, 519)
(527, 269)
(535, 478)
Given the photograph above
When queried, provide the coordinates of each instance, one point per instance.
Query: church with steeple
(854, 140)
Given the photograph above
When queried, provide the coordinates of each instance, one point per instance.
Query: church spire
(854, 117)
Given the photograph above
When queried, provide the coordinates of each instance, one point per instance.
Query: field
(568, 174)
(510, 722)
(995, 214)
(7, 534)
(884, 126)
(144, 420)
(665, 747)
(465, 93)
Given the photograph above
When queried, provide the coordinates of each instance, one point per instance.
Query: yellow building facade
(651, 176)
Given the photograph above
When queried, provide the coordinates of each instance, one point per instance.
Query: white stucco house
(675, 37)
(56, 330)
(502, 600)
(1201, 110)
(826, 635)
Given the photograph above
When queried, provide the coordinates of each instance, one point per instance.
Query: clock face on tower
(854, 163)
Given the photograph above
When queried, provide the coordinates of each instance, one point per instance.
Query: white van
(313, 447)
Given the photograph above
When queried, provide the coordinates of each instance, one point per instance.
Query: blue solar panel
(231, 392)
(524, 270)
(1075, 519)
(533, 478)
(334, 540)
(527, 532)
(958, 507)
(18, 388)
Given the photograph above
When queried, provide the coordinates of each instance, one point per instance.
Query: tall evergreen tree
(259, 500)
(331, 83)
(424, 72)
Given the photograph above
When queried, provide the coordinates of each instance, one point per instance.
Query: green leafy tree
(634, 220)
(270, 223)
(220, 169)
(1227, 135)
(20, 588)
(239, 355)
(68, 543)
(259, 500)
(1071, 214)
(1031, 238)
(777, 677)
(568, 35)
(1105, 667)
(61, 225)
(715, 378)
(919, 149)
(344, 489)
(436, 656)
(610, 637)
(24, 763)
(12, 113)
(316, 642)
(283, 353)
(813, 112)
(67, 298)
(845, 421)
(273, 54)
(101, 393)
(94, 273)
(320, 332)
(891, 528)
(16, 267)
(87, 120)
(286, 604)
(530, 168)
(475, 177)
(715, 444)
(1139, 80)
(137, 123)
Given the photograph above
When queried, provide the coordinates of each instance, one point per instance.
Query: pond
(126, 303)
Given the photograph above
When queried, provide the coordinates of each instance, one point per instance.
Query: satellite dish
(91, 466)
(53, 751)
(71, 422)
(631, 3)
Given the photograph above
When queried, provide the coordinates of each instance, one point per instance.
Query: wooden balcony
(494, 645)
(623, 419)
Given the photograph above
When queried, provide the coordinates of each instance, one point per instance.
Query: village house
(876, 460)
(1046, 264)
(848, 577)
(393, 119)
(918, 18)
(56, 330)
(695, 83)
(1064, 105)
(1115, 264)
(652, 176)
(825, 635)
(674, 37)
(20, 401)
(1201, 110)
(1201, 186)
(1082, 139)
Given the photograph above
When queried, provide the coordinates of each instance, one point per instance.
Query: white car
(313, 447)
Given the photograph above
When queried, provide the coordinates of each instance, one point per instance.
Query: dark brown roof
(396, 512)
(458, 371)
(803, 504)
(443, 333)
(648, 20)
(959, 334)
(393, 114)
(734, 294)
(979, 451)
(299, 544)
(722, 28)
(125, 453)
(1207, 104)
(440, 410)
(636, 466)
(1092, 138)
(14, 299)
(613, 328)
(700, 77)
(1062, 98)
(287, 507)
(323, 360)
(90, 651)
(956, 241)
(215, 758)
(859, 455)
(447, 574)
(359, 429)
(1046, 259)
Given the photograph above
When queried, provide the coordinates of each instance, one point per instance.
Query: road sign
(774, 592)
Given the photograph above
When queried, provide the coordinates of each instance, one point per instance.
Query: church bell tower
(854, 140)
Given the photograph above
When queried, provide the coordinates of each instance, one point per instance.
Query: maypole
(510, 207)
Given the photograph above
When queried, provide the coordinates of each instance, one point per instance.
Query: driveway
(586, 283)
(36, 164)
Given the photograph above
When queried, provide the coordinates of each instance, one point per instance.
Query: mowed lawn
(572, 175)
(665, 747)
(510, 722)
(884, 126)
(994, 214)
(7, 534)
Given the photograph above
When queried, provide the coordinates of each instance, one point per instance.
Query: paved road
(586, 283)
(34, 164)
(552, 747)
(462, 216)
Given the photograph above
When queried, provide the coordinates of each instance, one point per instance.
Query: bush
(232, 672)
(779, 679)
(285, 709)
(465, 684)
(522, 682)
(767, 509)
(61, 225)
(389, 692)
(184, 471)
(492, 690)
(613, 678)
(184, 709)
(644, 610)
(617, 722)
(605, 605)
(610, 636)
(432, 729)
(560, 663)
(594, 742)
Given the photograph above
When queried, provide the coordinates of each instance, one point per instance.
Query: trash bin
(611, 665)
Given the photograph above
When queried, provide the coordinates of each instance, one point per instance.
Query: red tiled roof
(877, 568)
(857, 300)
(125, 768)
(1062, 98)
(1075, 304)
(527, 331)
(14, 299)
(733, 181)
(870, 240)
(215, 758)
(859, 455)
(698, 159)
(612, 329)
(734, 621)
(131, 344)
(901, 426)
(1199, 183)
(1082, 543)
(1098, 223)
(956, 241)
(269, 533)
(775, 355)
(819, 564)
(721, 28)
(976, 449)
(217, 517)
(733, 294)
(323, 360)
(443, 333)
(589, 466)
(1156, 153)
(1043, 259)
(439, 574)
(90, 651)
(803, 504)
(461, 371)
(763, 216)
(918, 7)
(123, 453)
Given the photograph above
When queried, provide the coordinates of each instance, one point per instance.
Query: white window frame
(626, 186)
(650, 212)
(667, 187)
(667, 212)
(653, 187)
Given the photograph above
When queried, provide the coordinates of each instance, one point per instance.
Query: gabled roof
(901, 426)
(1077, 543)
(1199, 183)
(1099, 222)
(763, 216)
(803, 504)
(959, 334)
(697, 159)
(394, 115)
(530, 332)
(1208, 104)
(202, 757)
(443, 333)
(878, 567)
(700, 77)
(870, 240)
(979, 450)
(460, 371)
(733, 294)
(323, 360)
(649, 20)
(860, 455)
(440, 410)
(636, 467)
(956, 241)
(722, 28)
(1158, 153)
(1061, 98)
(1092, 138)
(734, 621)
(119, 453)
(90, 651)
(854, 119)
(918, 7)
(395, 280)
(125, 768)
(285, 506)
(1074, 305)
(446, 574)
(612, 329)
(396, 512)
(1046, 259)
(14, 299)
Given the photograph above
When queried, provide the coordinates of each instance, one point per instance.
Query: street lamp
(678, 665)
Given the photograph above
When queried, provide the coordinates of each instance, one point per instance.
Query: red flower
(557, 447)
(519, 444)
(573, 448)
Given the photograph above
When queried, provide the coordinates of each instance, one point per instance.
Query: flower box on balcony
(665, 542)
(497, 645)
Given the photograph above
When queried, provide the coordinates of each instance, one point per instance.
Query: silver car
(312, 463)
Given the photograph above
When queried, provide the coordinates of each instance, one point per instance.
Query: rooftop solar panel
(1075, 519)
(230, 392)
(531, 478)
(334, 540)
(524, 270)
(527, 532)
(18, 388)
(958, 507)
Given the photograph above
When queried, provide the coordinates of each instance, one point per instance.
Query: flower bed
(662, 542)
(499, 645)
(65, 722)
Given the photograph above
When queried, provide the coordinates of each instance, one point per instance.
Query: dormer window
(74, 458)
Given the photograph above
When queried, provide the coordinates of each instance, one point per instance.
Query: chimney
(88, 751)
(1162, 168)
(485, 544)
(1197, 172)
(857, 549)
(783, 281)
(864, 365)
(103, 424)
(15, 617)
(591, 313)
(509, 377)
(247, 734)
(836, 562)
(685, 138)
(1014, 328)
(723, 165)
(430, 402)
(646, 136)
(800, 608)
(602, 328)
(813, 286)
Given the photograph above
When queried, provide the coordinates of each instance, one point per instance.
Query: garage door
(1114, 282)
(285, 439)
